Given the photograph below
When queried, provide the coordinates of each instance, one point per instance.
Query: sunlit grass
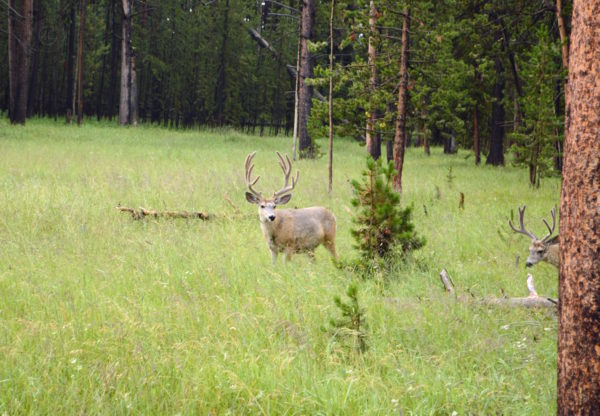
(103, 314)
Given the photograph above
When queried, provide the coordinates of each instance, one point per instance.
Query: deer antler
(249, 182)
(550, 230)
(286, 166)
(522, 230)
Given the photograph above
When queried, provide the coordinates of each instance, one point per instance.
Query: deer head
(545, 249)
(266, 206)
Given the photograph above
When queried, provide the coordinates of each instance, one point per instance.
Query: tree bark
(80, 63)
(400, 135)
(35, 57)
(306, 146)
(564, 41)
(126, 57)
(476, 135)
(70, 62)
(496, 155)
(20, 17)
(373, 144)
(579, 272)
(114, 46)
(330, 188)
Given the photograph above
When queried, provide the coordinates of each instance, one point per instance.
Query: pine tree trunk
(476, 135)
(306, 146)
(114, 46)
(20, 16)
(103, 67)
(496, 155)
(564, 41)
(126, 54)
(400, 135)
(80, 63)
(222, 79)
(330, 188)
(70, 61)
(373, 144)
(578, 388)
(35, 58)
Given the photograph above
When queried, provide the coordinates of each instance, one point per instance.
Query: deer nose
(271, 217)
(528, 264)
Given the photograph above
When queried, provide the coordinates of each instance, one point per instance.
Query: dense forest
(482, 75)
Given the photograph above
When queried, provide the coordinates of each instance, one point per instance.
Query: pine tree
(381, 223)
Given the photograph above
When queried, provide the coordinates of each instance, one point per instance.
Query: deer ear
(282, 200)
(251, 198)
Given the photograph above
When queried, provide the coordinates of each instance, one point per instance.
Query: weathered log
(531, 301)
(140, 213)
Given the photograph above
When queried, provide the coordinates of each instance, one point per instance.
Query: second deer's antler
(522, 230)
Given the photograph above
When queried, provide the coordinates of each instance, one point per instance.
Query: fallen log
(531, 301)
(140, 213)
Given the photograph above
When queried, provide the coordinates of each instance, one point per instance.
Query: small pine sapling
(352, 325)
(381, 223)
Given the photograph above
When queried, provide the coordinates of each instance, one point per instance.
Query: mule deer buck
(290, 230)
(545, 249)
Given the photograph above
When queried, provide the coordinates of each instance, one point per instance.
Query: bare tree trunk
(107, 31)
(222, 79)
(400, 136)
(112, 86)
(372, 138)
(476, 135)
(564, 41)
(35, 57)
(296, 91)
(126, 55)
(331, 96)
(305, 95)
(70, 63)
(20, 17)
(80, 64)
(496, 155)
(133, 95)
(578, 388)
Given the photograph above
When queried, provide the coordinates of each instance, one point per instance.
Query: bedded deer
(290, 230)
(547, 248)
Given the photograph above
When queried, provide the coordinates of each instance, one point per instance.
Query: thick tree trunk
(80, 63)
(126, 69)
(371, 136)
(114, 46)
(579, 273)
(496, 155)
(20, 16)
(35, 58)
(400, 135)
(305, 93)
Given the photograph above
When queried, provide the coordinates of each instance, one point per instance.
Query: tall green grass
(101, 314)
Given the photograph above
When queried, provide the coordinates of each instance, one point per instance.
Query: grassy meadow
(101, 314)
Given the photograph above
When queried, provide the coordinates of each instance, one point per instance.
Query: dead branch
(531, 301)
(140, 213)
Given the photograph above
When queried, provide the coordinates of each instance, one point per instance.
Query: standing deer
(290, 230)
(545, 249)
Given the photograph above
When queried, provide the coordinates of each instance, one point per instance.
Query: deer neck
(552, 254)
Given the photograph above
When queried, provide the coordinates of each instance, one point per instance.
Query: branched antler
(522, 230)
(248, 168)
(286, 167)
(550, 230)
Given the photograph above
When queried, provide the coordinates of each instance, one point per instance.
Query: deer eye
(262, 206)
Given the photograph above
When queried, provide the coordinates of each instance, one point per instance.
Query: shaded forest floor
(104, 314)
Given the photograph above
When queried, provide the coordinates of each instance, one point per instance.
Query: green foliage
(380, 222)
(535, 144)
(352, 324)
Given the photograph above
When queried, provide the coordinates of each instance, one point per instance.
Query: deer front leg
(273, 255)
